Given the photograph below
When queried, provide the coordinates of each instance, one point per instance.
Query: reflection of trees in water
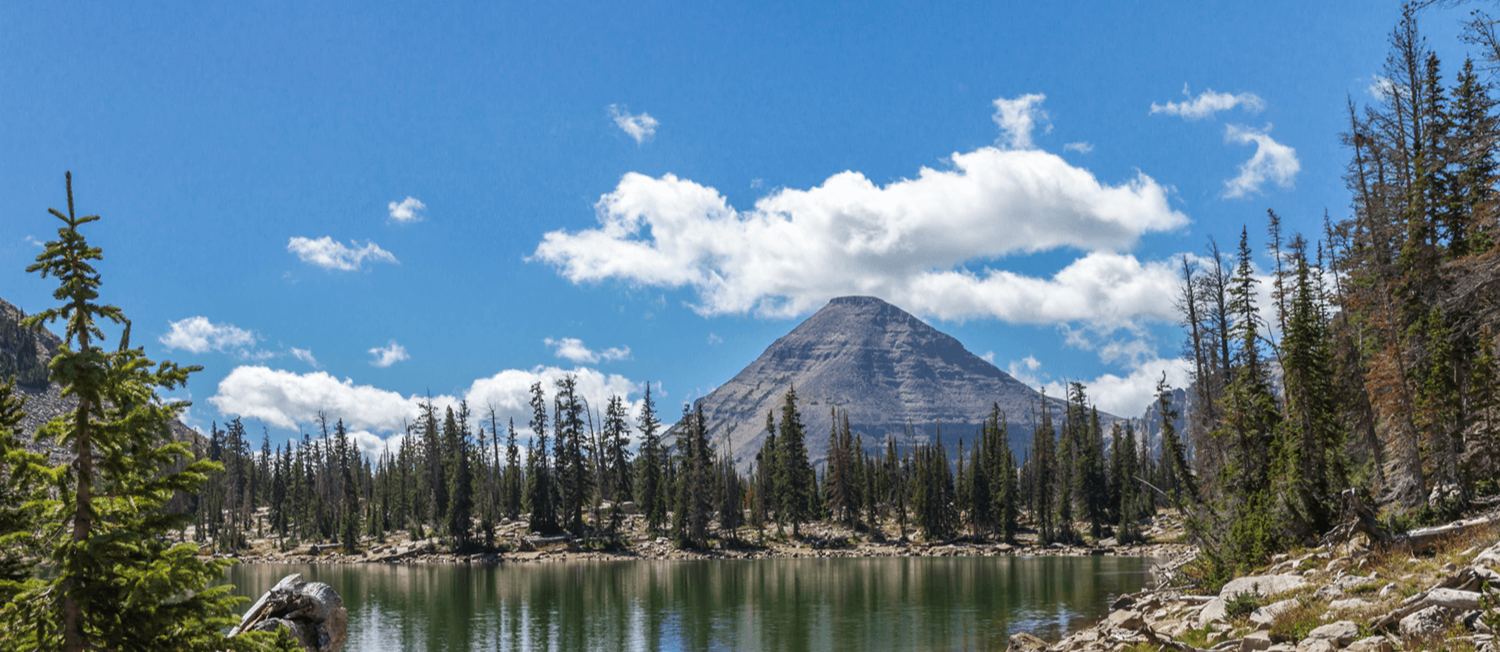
(777, 604)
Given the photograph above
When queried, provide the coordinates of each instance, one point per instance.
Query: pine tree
(650, 495)
(112, 581)
(794, 482)
(349, 520)
(460, 517)
(538, 475)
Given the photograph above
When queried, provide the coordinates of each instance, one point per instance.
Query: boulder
(1424, 623)
(313, 613)
(1262, 585)
(1370, 644)
(1268, 613)
(1317, 645)
(1130, 620)
(1340, 633)
(1348, 604)
(1255, 642)
(1024, 642)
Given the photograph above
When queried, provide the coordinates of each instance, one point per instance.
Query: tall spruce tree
(110, 579)
(794, 482)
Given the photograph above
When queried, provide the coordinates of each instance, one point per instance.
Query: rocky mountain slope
(24, 354)
(886, 368)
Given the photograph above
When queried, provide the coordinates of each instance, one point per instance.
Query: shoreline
(661, 549)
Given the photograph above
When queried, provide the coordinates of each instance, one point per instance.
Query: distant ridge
(883, 365)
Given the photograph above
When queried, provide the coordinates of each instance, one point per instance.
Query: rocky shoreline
(1351, 597)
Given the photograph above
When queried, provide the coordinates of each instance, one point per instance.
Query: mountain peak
(883, 366)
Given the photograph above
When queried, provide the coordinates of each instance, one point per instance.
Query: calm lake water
(888, 603)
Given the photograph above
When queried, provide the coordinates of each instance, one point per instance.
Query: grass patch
(1294, 624)
(1196, 637)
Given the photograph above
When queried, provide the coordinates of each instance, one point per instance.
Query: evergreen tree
(460, 517)
(794, 482)
(651, 490)
(112, 580)
(538, 474)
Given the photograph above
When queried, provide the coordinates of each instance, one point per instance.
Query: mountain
(886, 368)
(24, 354)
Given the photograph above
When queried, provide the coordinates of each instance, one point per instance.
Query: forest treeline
(458, 475)
(1374, 369)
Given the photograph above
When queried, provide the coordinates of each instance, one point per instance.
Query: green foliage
(1240, 605)
(109, 578)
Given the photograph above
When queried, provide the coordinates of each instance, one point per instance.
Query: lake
(884, 603)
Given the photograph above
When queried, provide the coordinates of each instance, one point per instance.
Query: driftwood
(312, 613)
(1355, 517)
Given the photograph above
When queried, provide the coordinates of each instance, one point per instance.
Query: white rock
(1268, 613)
(1424, 623)
(1341, 633)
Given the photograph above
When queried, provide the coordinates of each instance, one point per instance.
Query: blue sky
(344, 206)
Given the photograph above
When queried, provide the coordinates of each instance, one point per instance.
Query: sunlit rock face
(886, 368)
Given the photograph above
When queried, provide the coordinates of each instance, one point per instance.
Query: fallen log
(1355, 517)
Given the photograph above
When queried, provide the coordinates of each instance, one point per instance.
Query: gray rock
(1317, 645)
(1024, 642)
(1268, 613)
(1341, 633)
(1370, 644)
(1255, 642)
(1130, 620)
(1427, 622)
(1348, 604)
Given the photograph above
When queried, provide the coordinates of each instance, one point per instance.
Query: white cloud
(572, 348)
(1018, 117)
(1122, 396)
(640, 127)
(1379, 87)
(199, 335)
(1272, 161)
(715, 339)
(305, 355)
(906, 242)
(408, 210)
(388, 355)
(34, 242)
(989, 356)
(1080, 147)
(284, 399)
(1208, 103)
(328, 254)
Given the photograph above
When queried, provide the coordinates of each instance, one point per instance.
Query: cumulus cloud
(572, 348)
(331, 255)
(1080, 147)
(640, 127)
(1380, 87)
(284, 399)
(1123, 395)
(388, 355)
(1272, 161)
(906, 242)
(305, 355)
(199, 335)
(408, 210)
(1208, 103)
(1018, 117)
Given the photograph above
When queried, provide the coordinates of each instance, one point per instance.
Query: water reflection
(782, 604)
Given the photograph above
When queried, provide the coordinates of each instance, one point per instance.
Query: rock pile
(1320, 601)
